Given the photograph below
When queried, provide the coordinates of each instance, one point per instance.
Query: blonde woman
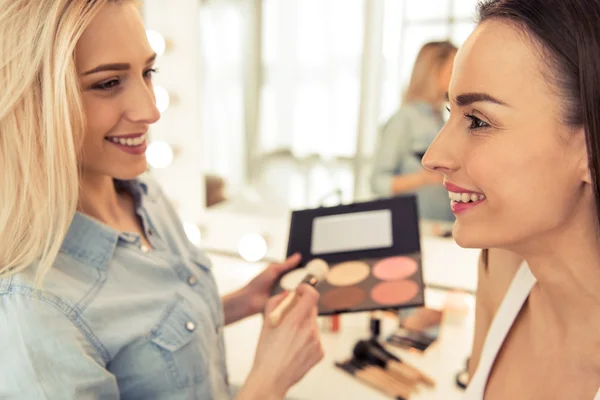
(101, 294)
(407, 135)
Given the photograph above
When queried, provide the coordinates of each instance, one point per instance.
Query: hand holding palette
(372, 250)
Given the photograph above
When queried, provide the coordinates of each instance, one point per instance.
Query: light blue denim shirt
(407, 134)
(113, 321)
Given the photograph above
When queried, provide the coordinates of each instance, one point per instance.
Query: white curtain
(311, 55)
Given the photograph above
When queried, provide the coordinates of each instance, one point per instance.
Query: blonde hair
(423, 80)
(41, 127)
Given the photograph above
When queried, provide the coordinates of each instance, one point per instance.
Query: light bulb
(163, 100)
(159, 154)
(157, 42)
(193, 233)
(252, 247)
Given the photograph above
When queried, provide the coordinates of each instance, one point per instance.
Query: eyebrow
(116, 67)
(466, 99)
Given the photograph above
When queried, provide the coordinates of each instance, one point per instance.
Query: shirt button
(190, 326)
(150, 232)
(192, 280)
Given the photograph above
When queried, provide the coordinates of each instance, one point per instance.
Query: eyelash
(476, 123)
(114, 83)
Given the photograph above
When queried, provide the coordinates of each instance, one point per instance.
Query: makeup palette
(372, 250)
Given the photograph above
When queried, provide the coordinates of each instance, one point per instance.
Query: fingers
(305, 304)
(291, 262)
(274, 302)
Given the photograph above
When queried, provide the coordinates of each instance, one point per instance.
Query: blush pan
(394, 292)
(393, 268)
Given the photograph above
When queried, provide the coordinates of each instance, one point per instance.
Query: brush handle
(401, 388)
(403, 371)
(412, 372)
(403, 377)
(375, 383)
(279, 312)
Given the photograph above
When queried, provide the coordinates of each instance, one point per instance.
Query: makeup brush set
(373, 365)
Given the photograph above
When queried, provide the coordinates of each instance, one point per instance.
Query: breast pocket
(179, 337)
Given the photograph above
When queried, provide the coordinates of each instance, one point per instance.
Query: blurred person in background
(102, 296)
(409, 132)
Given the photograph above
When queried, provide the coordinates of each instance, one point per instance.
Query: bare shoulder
(496, 272)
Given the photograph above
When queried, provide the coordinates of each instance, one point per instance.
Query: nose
(443, 153)
(141, 107)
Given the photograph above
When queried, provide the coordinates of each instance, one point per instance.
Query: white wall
(180, 72)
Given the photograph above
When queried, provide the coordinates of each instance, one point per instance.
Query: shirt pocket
(179, 337)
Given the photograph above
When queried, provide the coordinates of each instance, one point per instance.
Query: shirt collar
(92, 242)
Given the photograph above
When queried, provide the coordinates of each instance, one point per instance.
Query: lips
(127, 136)
(451, 187)
(462, 199)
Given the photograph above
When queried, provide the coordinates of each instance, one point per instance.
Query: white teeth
(454, 196)
(129, 142)
(465, 197)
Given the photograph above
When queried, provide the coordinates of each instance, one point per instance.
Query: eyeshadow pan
(393, 268)
(394, 292)
(348, 273)
(343, 298)
(292, 279)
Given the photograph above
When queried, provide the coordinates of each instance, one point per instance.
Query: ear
(583, 166)
(586, 175)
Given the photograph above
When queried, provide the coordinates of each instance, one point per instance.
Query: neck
(99, 199)
(566, 265)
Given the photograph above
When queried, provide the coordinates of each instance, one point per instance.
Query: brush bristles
(318, 268)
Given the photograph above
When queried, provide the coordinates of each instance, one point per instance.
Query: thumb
(291, 262)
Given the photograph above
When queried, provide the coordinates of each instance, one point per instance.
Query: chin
(132, 172)
(470, 238)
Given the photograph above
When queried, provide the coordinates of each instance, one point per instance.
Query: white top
(514, 299)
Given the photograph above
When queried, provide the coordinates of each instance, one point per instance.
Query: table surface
(445, 264)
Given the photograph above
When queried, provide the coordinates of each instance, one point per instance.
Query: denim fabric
(113, 320)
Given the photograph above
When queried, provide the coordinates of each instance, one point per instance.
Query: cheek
(519, 179)
(102, 115)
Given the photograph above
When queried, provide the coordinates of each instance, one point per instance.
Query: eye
(476, 123)
(108, 85)
(150, 73)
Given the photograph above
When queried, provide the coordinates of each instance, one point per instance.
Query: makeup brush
(401, 388)
(365, 350)
(369, 379)
(315, 271)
